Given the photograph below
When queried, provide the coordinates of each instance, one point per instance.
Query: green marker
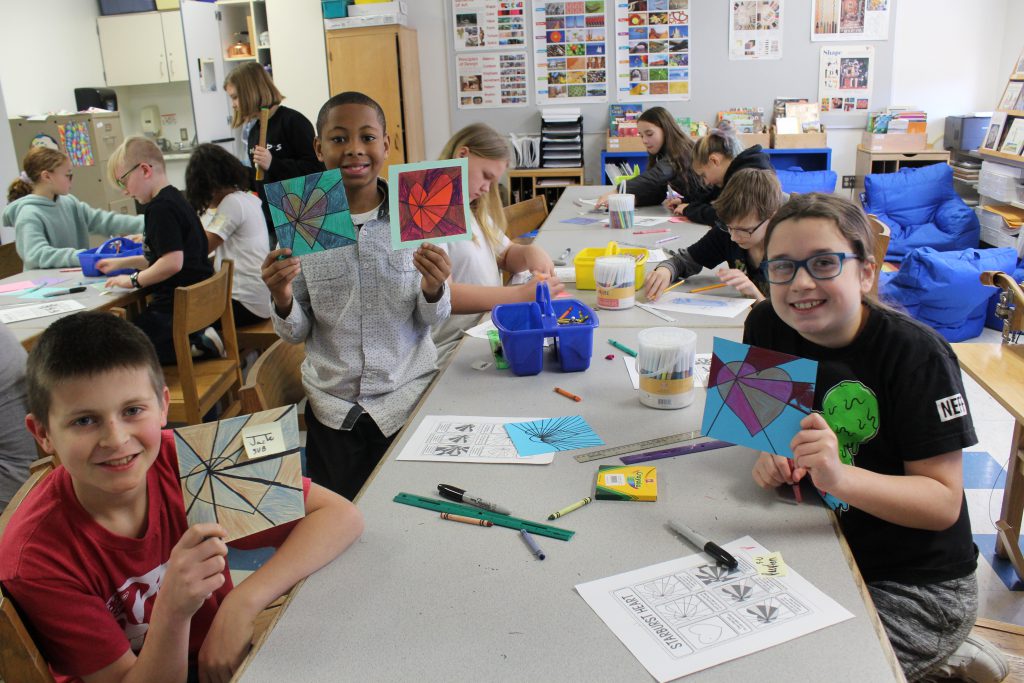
(622, 347)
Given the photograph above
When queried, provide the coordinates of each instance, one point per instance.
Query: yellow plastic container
(584, 263)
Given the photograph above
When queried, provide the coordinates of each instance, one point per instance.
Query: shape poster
(570, 46)
(652, 50)
(488, 24)
(429, 202)
(845, 78)
(685, 615)
(75, 141)
(492, 79)
(833, 20)
(755, 29)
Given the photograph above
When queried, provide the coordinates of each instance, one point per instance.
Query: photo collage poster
(755, 29)
(652, 50)
(490, 79)
(570, 44)
(845, 79)
(833, 20)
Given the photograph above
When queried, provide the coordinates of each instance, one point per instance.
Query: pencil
(568, 394)
(669, 289)
(709, 287)
(466, 520)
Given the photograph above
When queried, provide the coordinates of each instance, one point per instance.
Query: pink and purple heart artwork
(429, 203)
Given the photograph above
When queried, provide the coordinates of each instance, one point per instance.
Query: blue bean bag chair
(795, 180)
(921, 209)
(942, 289)
(991, 321)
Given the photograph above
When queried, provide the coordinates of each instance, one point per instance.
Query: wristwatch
(134, 277)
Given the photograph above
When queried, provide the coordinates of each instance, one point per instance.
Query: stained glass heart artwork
(429, 202)
(311, 213)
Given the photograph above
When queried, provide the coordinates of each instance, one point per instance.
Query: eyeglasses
(121, 180)
(740, 231)
(782, 271)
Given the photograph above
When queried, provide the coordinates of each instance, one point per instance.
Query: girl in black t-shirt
(885, 443)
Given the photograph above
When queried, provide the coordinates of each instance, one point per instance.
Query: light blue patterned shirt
(366, 325)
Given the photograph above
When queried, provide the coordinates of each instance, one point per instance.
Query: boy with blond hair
(176, 252)
(100, 558)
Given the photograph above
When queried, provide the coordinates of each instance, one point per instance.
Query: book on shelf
(779, 106)
(744, 119)
(1013, 143)
(1011, 95)
(622, 119)
(808, 114)
(995, 131)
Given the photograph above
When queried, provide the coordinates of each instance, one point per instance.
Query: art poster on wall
(834, 20)
(755, 29)
(652, 50)
(488, 24)
(570, 46)
(845, 79)
(494, 79)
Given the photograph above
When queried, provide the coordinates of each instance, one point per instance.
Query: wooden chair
(10, 262)
(196, 386)
(881, 246)
(20, 659)
(525, 216)
(260, 336)
(275, 380)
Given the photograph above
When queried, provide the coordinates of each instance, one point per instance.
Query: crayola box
(627, 482)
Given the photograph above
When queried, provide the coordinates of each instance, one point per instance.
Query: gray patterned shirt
(366, 325)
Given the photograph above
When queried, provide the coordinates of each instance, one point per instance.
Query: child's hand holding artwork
(278, 275)
(433, 263)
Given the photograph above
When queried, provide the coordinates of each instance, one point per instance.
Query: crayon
(566, 510)
(568, 394)
(466, 520)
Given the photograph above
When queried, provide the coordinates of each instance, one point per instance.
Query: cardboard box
(624, 144)
(894, 142)
(751, 139)
(799, 140)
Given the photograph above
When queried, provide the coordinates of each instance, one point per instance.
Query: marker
(666, 239)
(651, 232)
(711, 548)
(455, 493)
(708, 288)
(466, 520)
(560, 261)
(73, 290)
(534, 548)
(566, 510)
(622, 347)
(568, 394)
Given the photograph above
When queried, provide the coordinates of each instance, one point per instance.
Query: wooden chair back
(525, 217)
(10, 262)
(275, 379)
(20, 659)
(259, 336)
(881, 247)
(197, 385)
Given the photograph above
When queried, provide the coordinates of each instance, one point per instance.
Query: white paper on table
(566, 273)
(458, 438)
(656, 255)
(634, 374)
(687, 614)
(699, 304)
(14, 315)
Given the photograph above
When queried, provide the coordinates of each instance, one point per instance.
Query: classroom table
(418, 598)
(568, 207)
(93, 298)
(999, 369)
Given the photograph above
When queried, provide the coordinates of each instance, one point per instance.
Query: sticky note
(770, 565)
(261, 440)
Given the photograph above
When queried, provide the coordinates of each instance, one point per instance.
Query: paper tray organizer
(523, 327)
(584, 263)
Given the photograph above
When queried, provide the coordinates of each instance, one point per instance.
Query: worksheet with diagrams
(686, 614)
(467, 439)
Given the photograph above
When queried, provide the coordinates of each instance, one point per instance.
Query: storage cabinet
(527, 183)
(891, 162)
(144, 48)
(383, 62)
(244, 21)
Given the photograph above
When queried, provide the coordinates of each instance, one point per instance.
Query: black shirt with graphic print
(894, 394)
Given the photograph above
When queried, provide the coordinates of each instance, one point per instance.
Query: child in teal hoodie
(50, 225)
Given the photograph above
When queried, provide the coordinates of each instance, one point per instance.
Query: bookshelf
(527, 183)
(869, 162)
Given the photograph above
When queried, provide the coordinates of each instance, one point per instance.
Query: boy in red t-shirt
(100, 558)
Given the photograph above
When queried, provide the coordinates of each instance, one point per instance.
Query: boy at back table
(176, 252)
(100, 558)
(363, 310)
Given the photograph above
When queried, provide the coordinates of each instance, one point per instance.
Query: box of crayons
(627, 482)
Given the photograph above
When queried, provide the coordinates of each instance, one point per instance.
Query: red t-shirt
(88, 593)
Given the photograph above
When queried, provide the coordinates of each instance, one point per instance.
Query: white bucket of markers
(615, 279)
(620, 211)
(664, 362)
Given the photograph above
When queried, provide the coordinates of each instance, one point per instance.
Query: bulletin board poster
(834, 20)
(570, 46)
(493, 79)
(846, 76)
(652, 50)
(488, 24)
(755, 29)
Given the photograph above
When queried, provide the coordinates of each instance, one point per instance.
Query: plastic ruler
(636, 447)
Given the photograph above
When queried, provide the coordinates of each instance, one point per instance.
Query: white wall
(430, 19)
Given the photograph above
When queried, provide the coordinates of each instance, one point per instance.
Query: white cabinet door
(133, 48)
(211, 108)
(174, 45)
